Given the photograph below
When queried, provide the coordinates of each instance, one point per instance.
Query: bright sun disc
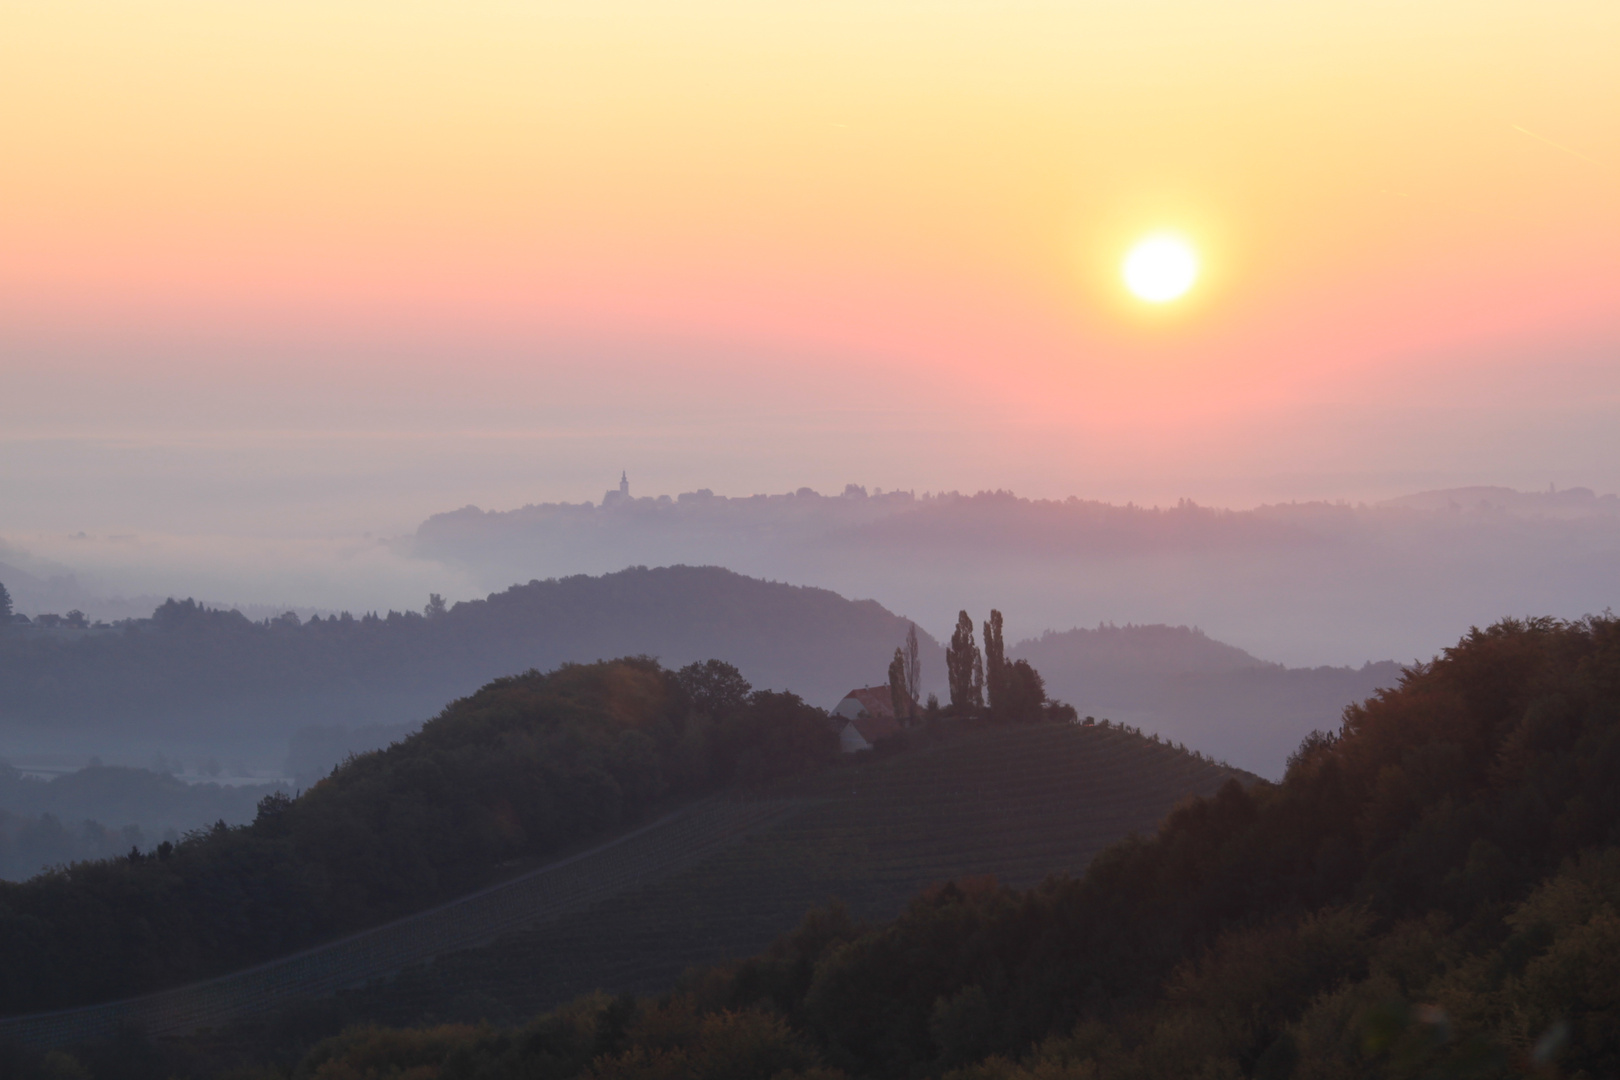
(1160, 269)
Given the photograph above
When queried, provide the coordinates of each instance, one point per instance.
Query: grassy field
(1016, 803)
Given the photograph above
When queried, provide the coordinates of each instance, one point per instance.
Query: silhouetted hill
(1019, 803)
(219, 679)
(1573, 502)
(1123, 652)
(300, 695)
(1182, 684)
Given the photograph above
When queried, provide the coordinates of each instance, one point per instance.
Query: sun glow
(1160, 268)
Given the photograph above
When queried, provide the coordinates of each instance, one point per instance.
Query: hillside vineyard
(1018, 804)
(718, 880)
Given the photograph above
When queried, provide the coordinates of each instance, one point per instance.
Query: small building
(620, 497)
(867, 715)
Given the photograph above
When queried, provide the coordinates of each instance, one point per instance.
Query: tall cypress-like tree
(898, 697)
(5, 607)
(964, 667)
(913, 666)
(995, 664)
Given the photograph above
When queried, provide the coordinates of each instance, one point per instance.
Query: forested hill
(1430, 892)
(522, 769)
(192, 667)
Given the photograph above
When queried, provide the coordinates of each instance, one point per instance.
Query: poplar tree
(964, 667)
(913, 666)
(995, 664)
(897, 685)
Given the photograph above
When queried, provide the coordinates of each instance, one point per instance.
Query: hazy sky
(305, 269)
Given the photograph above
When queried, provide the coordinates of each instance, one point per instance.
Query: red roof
(875, 700)
(876, 718)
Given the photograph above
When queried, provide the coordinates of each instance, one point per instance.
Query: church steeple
(624, 484)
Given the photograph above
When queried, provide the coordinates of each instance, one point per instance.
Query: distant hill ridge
(1300, 582)
(192, 670)
(1160, 649)
(304, 693)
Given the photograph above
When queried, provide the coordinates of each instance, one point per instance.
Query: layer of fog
(1303, 584)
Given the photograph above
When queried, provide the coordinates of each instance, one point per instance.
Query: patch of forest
(1430, 891)
(524, 768)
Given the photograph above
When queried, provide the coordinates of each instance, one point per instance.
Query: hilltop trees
(913, 665)
(1022, 694)
(965, 667)
(899, 698)
(5, 605)
(1017, 693)
(995, 661)
(905, 677)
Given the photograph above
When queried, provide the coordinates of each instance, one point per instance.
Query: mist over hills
(105, 810)
(196, 680)
(1177, 681)
(1302, 583)
(292, 698)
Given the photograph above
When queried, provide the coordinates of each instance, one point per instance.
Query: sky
(299, 272)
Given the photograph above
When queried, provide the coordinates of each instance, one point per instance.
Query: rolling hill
(1186, 686)
(1018, 804)
(717, 880)
(209, 681)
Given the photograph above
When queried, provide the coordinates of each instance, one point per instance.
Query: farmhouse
(867, 715)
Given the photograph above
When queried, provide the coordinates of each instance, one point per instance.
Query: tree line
(983, 684)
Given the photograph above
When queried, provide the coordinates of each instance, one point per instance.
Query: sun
(1160, 268)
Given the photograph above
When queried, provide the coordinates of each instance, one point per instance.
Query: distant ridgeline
(704, 527)
(1177, 681)
(1289, 580)
(306, 693)
(190, 667)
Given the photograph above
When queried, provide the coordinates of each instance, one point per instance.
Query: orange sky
(671, 232)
